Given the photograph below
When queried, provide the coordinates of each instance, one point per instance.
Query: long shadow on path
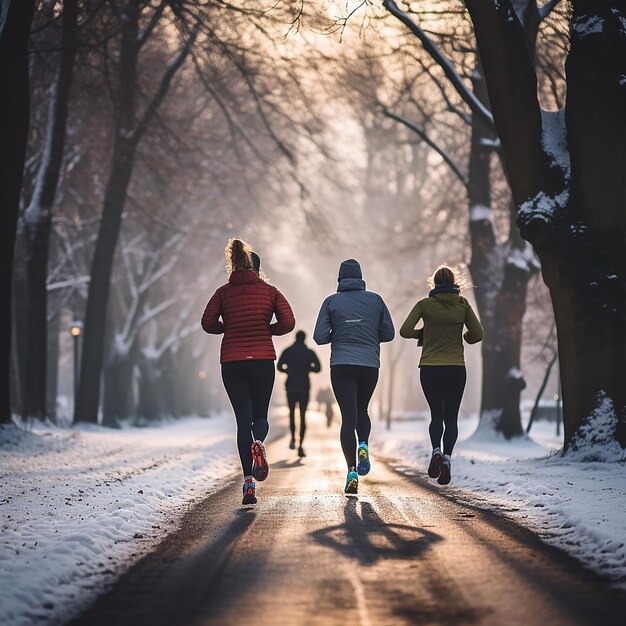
(368, 538)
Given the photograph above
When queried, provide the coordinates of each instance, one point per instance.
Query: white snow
(554, 139)
(515, 372)
(80, 505)
(543, 205)
(587, 25)
(579, 507)
(595, 439)
(480, 212)
(525, 259)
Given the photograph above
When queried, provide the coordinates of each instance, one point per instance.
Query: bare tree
(130, 127)
(566, 171)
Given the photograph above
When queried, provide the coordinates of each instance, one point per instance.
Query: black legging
(353, 386)
(443, 387)
(302, 399)
(249, 386)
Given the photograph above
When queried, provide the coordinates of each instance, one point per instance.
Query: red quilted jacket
(246, 305)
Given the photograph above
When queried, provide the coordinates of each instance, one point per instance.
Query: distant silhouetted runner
(298, 361)
(325, 396)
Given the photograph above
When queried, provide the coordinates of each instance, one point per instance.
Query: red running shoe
(260, 466)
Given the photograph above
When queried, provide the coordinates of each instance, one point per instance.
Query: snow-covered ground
(80, 505)
(579, 507)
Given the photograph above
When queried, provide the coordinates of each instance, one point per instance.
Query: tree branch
(477, 107)
(164, 85)
(442, 153)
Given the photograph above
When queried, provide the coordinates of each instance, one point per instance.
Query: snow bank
(78, 506)
(579, 507)
(595, 439)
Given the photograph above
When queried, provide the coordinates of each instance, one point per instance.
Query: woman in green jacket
(442, 366)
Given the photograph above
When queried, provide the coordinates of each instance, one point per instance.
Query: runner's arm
(285, 320)
(210, 318)
(323, 327)
(386, 331)
(407, 330)
(475, 331)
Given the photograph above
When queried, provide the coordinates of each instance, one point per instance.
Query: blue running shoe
(249, 491)
(363, 455)
(352, 482)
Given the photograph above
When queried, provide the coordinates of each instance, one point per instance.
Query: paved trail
(399, 553)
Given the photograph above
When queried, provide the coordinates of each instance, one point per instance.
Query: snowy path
(398, 554)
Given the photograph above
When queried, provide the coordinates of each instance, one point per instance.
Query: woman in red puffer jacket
(246, 305)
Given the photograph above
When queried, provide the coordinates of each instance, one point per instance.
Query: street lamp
(75, 330)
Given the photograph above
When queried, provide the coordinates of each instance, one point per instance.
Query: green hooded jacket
(444, 316)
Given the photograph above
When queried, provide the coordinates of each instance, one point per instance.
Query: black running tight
(443, 387)
(249, 386)
(301, 398)
(353, 386)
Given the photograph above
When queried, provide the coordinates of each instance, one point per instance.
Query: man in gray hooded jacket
(355, 322)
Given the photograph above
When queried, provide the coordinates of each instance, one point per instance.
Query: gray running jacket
(354, 322)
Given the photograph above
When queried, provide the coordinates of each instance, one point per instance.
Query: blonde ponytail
(238, 255)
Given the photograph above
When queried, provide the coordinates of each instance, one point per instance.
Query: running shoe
(260, 467)
(445, 476)
(352, 482)
(434, 468)
(249, 492)
(301, 451)
(363, 455)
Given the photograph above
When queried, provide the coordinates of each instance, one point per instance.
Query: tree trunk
(37, 221)
(587, 276)
(119, 393)
(52, 373)
(150, 406)
(14, 117)
(542, 388)
(501, 287)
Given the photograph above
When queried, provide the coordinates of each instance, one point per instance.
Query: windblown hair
(456, 276)
(238, 255)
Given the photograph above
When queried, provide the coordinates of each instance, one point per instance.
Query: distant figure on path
(354, 321)
(298, 361)
(246, 305)
(442, 367)
(325, 396)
